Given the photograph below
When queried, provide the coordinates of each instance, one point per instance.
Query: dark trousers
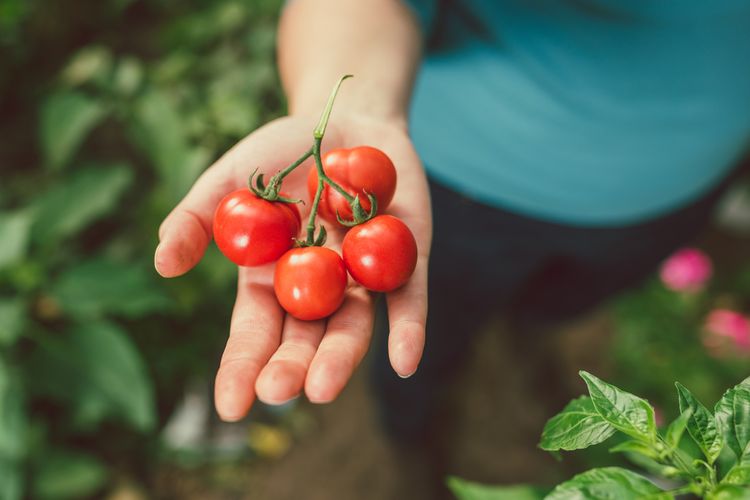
(486, 261)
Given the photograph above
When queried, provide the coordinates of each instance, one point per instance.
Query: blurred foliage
(659, 338)
(110, 110)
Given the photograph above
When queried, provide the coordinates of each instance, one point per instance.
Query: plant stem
(288, 170)
(318, 193)
(322, 175)
(320, 130)
(272, 191)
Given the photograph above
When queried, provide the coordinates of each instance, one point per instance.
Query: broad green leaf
(701, 425)
(67, 118)
(468, 490)
(12, 415)
(676, 429)
(12, 319)
(635, 447)
(730, 492)
(159, 129)
(91, 63)
(102, 373)
(83, 197)
(626, 412)
(128, 75)
(612, 483)
(11, 480)
(739, 474)
(67, 474)
(99, 286)
(724, 415)
(741, 415)
(14, 234)
(578, 426)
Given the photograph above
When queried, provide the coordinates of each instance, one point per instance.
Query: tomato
(310, 282)
(359, 171)
(380, 254)
(252, 231)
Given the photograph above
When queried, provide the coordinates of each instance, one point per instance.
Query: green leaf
(676, 429)
(741, 415)
(91, 63)
(729, 492)
(15, 229)
(83, 197)
(635, 447)
(128, 75)
(159, 129)
(102, 373)
(578, 426)
(12, 415)
(724, 415)
(12, 319)
(739, 474)
(626, 412)
(612, 483)
(67, 118)
(468, 490)
(65, 474)
(701, 425)
(11, 480)
(100, 286)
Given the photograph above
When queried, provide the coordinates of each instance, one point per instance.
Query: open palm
(269, 353)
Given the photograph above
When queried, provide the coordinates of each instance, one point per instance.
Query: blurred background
(109, 110)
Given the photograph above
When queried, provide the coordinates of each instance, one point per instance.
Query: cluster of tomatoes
(380, 253)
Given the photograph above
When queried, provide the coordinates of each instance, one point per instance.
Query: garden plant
(703, 453)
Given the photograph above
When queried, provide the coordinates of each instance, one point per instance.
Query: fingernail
(282, 402)
(156, 258)
(229, 410)
(317, 395)
(406, 376)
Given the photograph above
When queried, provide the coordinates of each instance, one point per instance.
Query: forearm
(378, 41)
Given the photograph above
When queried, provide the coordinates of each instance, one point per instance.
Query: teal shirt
(586, 112)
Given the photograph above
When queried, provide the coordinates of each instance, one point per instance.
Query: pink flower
(687, 270)
(726, 333)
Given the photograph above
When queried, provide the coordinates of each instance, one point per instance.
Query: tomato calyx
(272, 192)
(317, 241)
(359, 215)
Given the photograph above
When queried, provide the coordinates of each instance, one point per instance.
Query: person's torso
(592, 112)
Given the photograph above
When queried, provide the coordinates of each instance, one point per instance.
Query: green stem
(314, 213)
(288, 170)
(322, 175)
(320, 130)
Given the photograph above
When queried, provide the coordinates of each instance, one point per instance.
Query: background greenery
(110, 110)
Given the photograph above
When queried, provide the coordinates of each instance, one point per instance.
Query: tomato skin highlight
(359, 171)
(380, 254)
(251, 231)
(310, 282)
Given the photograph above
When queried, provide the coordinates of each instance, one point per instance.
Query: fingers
(344, 345)
(284, 376)
(186, 232)
(253, 337)
(407, 315)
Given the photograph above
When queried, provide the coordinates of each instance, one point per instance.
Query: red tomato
(252, 231)
(310, 282)
(380, 254)
(359, 170)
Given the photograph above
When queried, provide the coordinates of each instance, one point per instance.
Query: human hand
(270, 354)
